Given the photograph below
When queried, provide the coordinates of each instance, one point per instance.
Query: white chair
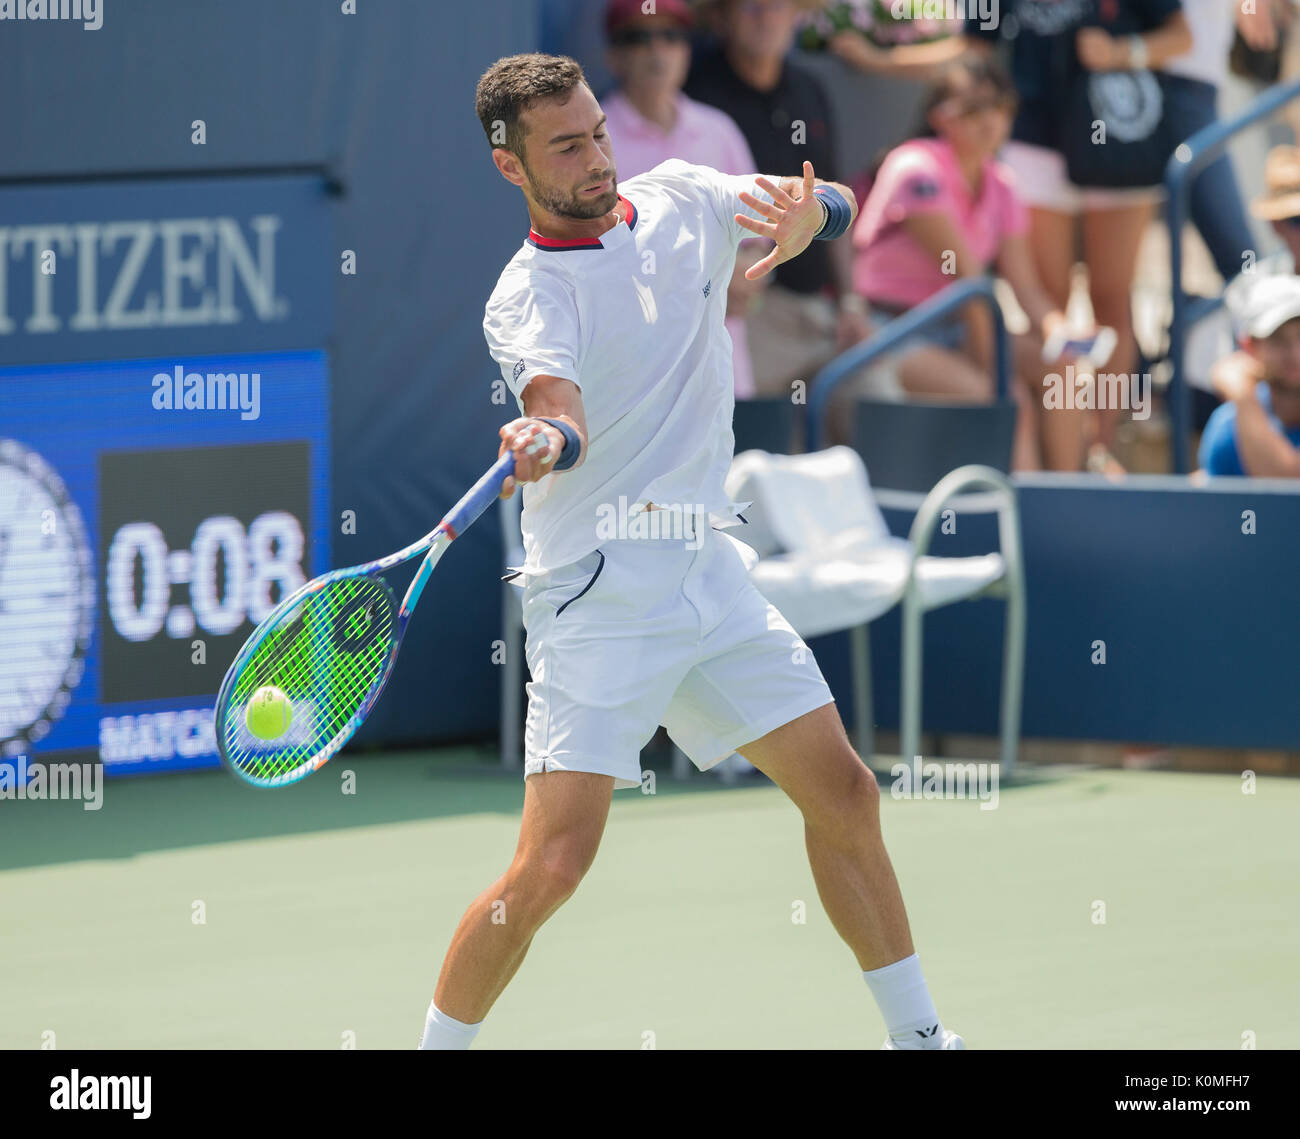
(828, 562)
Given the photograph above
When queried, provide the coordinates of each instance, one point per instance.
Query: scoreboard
(155, 506)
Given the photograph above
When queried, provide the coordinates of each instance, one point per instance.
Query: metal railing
(1191, 157)
(929, 312)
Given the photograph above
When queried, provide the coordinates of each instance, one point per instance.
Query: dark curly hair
(512, 85)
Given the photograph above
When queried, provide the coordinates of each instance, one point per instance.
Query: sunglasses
(1290, 223)
(639, 37)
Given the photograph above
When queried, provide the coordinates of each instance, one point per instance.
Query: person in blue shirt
(1256, 432)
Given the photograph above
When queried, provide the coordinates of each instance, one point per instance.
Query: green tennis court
(326, 914)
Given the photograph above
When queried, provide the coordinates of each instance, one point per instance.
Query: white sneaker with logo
(950, 1040)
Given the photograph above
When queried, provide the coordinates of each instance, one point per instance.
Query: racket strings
(325, 655)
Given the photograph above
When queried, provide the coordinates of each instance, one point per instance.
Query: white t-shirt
(635, 319)
(1211, 25)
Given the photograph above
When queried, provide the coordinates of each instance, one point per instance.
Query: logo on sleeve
(708, 287)
(922, 188)
(519, 369)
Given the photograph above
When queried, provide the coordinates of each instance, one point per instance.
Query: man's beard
(573, 205)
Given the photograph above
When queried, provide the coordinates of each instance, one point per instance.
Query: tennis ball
(268, 713)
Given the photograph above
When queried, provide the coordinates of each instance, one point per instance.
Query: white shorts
(649, 631)
(1043, 182)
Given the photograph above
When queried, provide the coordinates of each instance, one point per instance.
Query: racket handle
(479, 497)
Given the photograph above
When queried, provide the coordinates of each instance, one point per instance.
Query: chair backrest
(911, 446)
(805, 503)
(764, 425)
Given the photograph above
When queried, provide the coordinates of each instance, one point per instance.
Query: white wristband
(1138, 56)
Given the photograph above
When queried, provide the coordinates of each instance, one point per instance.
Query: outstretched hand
(792, 222)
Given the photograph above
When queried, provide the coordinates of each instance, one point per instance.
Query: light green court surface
(328, 914)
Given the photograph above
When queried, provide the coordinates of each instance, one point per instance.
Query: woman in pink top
(941, 208)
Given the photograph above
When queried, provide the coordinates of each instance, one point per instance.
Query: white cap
(1269, 304)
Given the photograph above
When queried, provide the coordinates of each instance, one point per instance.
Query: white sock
(442, 1032)
(904, 999)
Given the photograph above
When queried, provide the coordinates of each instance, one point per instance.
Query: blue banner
(195, 266)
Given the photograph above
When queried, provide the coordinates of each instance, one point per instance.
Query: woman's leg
(1057, 442)
(930, 372)
(1051, 237)
(1047, 438)
(1111, 238)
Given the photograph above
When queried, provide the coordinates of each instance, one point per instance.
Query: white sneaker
(950, 1040)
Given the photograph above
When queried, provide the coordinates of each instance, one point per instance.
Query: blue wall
(1200, 621)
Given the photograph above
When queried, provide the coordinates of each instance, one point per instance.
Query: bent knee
(853, 799)
(552, 874)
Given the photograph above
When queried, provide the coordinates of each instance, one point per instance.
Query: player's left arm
(795, 215)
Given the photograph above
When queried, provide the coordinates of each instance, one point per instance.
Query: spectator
(1212, 339)
(1055, 44)
(650, 121)
(1257, 431)
(1216, 207)
(784, 114)
(941, 208)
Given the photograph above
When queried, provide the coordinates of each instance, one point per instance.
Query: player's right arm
(536, 445)
(534, 334)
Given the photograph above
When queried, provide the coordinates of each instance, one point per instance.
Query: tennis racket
(330, 647)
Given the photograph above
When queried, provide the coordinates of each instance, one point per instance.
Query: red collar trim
(552, 245)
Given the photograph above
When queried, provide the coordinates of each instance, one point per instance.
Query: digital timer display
(187, 576)
(139, 547)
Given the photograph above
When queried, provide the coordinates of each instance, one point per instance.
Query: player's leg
(608, 639)
(756, 689)
(563, 820)
(812, 761)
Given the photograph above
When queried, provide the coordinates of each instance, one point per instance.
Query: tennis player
(608, 328)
